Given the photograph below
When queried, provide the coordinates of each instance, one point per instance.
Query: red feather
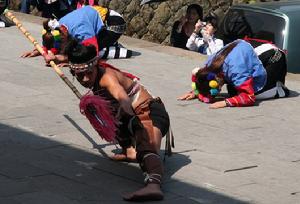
(98, 112)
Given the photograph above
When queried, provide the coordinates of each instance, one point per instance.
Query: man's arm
(56, 58)
(32, 53)
(112, 84)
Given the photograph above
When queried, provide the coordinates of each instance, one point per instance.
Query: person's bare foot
(127, 155)
(150, 192)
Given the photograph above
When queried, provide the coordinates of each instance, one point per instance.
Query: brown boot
(150, 192)
(153, 169)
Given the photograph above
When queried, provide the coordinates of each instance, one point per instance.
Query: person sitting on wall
(208, 44)
(184, 28)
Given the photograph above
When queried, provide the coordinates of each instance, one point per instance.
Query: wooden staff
(43, 53)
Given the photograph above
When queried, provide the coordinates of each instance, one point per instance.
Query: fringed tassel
(98, 112)
(169, 143)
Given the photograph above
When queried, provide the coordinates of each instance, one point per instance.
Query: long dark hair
(212, 20)
(78, 53)
(215, 67)
(48, 39)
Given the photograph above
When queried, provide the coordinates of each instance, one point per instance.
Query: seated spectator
(56, 8)
(183, 28)
(208, 44)
(25, 5)
(49, 8)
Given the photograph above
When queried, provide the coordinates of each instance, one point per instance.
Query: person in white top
(206, 44)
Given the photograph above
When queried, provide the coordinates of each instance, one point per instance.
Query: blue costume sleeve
(237, 65)
(83, 23)
(241, 64)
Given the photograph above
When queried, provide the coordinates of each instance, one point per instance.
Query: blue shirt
(241, 64)
(83, 23)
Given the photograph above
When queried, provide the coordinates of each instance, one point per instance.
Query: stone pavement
(49, 153)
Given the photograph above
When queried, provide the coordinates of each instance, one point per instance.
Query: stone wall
(154, 21)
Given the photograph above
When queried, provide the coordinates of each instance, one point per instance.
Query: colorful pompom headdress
(53, 42)
(210, 86)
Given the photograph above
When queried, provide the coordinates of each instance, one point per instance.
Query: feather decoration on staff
(98, 112)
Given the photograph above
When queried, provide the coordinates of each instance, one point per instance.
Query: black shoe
(286, 91)
(6, 21)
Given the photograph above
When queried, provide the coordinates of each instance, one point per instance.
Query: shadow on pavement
(36, 169)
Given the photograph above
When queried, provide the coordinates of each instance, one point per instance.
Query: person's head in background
(55, 37)
(194, 12)
(211, 25)
(83, 62)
